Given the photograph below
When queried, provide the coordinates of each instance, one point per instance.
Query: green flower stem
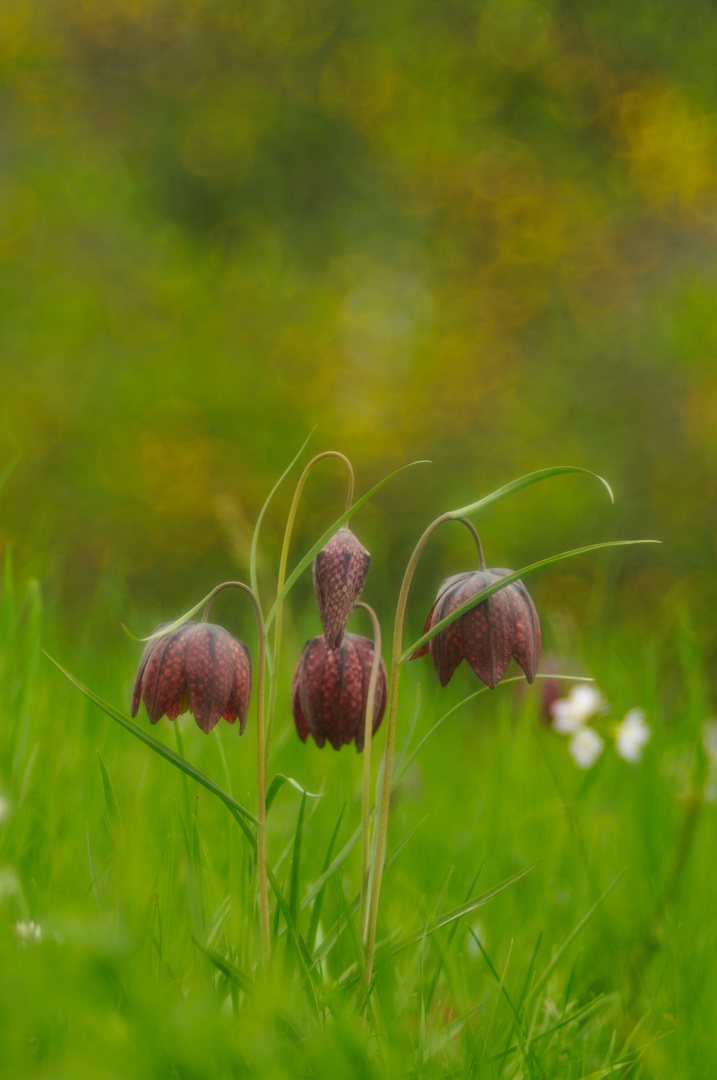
(389, 753)
(260, 756)
(366, 792)
(472, 529)
(274, 681)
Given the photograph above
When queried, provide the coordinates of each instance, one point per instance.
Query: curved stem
(281, 578)
(382, 823)
(366, 789)
(472, 529)
(260, 754)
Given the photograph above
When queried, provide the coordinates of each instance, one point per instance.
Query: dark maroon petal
(319, 686)
(164, 682)
(487, 629)
(424, 648)
(297, 712)
(238, 704)
(504, 625)
(339, 572)
(148, 650)
(527, 641)
(447, 646)
(209, 666)
(330, 698)
(365, 650)
(343, 723)
(447, 584)
(487, 637)
(330, 690)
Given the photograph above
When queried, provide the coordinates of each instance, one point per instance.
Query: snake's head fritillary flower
(504, 625)
(329, 695)
(200, 668)
(339, 572)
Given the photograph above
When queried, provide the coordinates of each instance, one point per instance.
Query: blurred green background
(480, 233)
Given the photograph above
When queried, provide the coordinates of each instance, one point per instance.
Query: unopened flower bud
(339, 572)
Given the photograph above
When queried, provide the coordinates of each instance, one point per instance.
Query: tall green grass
(598, 961)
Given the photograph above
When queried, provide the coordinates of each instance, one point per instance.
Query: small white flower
(571, 712)
(28, 932)
(632, 735)
(586, 746)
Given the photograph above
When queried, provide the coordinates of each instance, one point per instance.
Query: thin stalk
(366, 792)
(274, 681)
(472, 529)
(260, 755)
(389, 753)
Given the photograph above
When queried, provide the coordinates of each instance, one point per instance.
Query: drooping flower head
(504, 625)
(329, 695)
(339, 572)
(200, 668)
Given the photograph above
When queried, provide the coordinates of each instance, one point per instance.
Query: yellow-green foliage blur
(477, 232)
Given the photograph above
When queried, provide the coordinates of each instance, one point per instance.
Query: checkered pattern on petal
(339, 572)
(487, 630)
(238, 705)
(365, 649)
(527, 640)
(487, 635)
(148, 650)
(209, 668)
(198, 667)
(164, 680)
(446, 647)
(296, 709)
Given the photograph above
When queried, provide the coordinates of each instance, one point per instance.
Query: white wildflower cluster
(585, 702)
(29, 932)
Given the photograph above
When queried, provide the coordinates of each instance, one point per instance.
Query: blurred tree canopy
(477, 232)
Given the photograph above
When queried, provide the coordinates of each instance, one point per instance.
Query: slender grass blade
(110, 797)
(278, 782)
(159, 748)
(323, 540)
(489, 590)
(253, 579)
(524, 482)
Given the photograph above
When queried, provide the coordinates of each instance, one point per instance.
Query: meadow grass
(598, 961)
